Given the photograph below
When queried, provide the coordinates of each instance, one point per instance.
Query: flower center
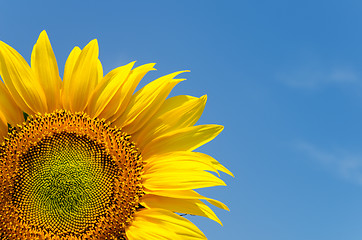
(66, 174)
(65, 183)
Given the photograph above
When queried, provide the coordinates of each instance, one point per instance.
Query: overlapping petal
(178, 161)
(188, 206)
(145, 103)
(80, 77)
(69, 67)
(175, 113)
(112, 94)
(187, 194)
(3, 126)
(9, 108)
(160, 224)
(180, 180)
(20, 81)
(184, 139)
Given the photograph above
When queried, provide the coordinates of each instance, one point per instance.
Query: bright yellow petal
(185, 139)
(112, 94)
(121, 99)
(3, 126)
(70, 63)
(9, 108)
(188, 206)
(81, 81)
(176, 112)
(107, 88)
(178, 161)
(187, 194)
(68, 71)
(145, 103)
(181, 180)
(215, 163)
(19, 80)
(146, 230)
(99, 71)
(162, 224)
(45, 68)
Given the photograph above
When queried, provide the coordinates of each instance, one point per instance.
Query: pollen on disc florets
(65, 175)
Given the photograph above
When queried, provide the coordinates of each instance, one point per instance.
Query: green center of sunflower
(68, 175)
(65, 183)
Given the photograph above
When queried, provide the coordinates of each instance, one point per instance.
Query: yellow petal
(180, 180)
(19, 80)
(112, 94)
(215, 163)
(187, 194)
(123, 96)
(107, 88)
(189, 206)
(185, 139)
(145, 103)
(145, 230)
(3, 126)
(176, 112)
(161, 224)
(70, 63)
(178, 161)
(81, 81)
(99, 71)
(46, 71)
(9, 108)
(68, 71)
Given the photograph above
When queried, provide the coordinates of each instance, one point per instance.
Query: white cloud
(316, 76)
(345, 164)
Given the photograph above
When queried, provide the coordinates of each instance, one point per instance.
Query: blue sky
(283, 77)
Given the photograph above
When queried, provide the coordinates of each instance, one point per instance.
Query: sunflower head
(93, 159)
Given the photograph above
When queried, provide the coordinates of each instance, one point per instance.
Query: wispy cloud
(315, 76)
(345, 164)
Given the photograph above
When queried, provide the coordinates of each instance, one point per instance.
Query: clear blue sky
(283, 77)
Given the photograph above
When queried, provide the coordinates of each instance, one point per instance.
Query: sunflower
(87, 158)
